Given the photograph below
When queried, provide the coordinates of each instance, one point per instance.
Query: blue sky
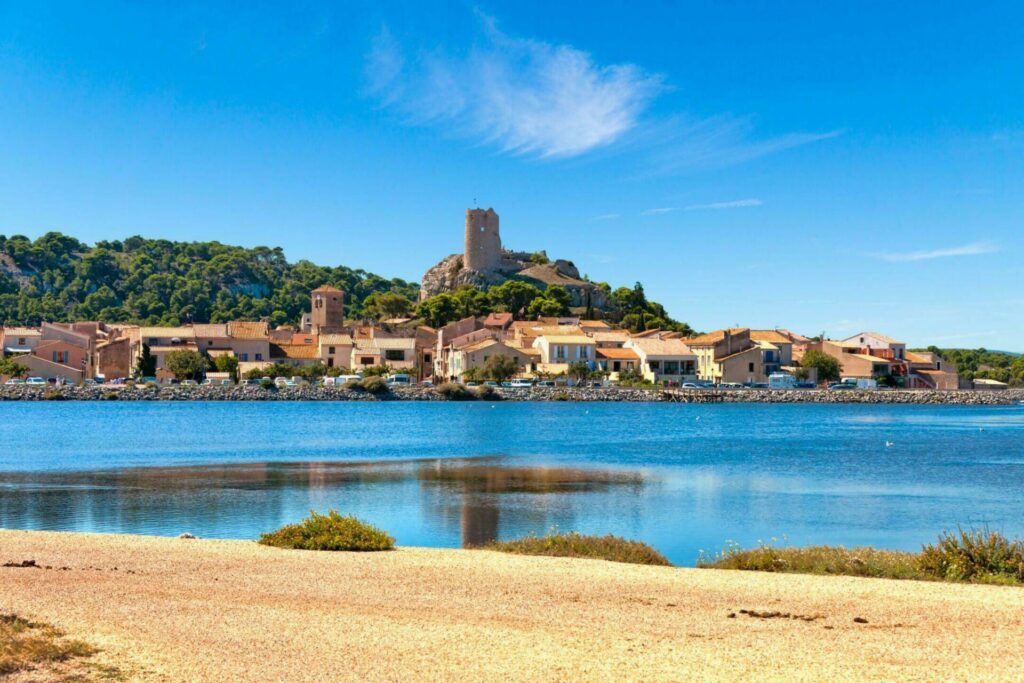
(807, 165)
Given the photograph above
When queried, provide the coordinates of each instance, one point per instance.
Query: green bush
(374, 385)
(977, 555)
(889, 564)
(452, 391)
(329, 532)
(560, 396)
(612, 548)
(352, 385)
(53, 395)
(485, 392)
(111, 396)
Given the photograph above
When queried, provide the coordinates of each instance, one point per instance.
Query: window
(330, 362)
(330, 350)
(616, 366)
(655, 365)
(21, 341)
(244, 357)
(259, 356)
(209, 342)
(426, 358)
(561, 351)
(750, 367)
(584, 352)
(671, 367)
(394, 354)
(366, 360)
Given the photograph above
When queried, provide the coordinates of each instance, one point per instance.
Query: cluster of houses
(74, 352)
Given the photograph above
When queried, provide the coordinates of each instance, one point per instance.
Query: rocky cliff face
(450, 274)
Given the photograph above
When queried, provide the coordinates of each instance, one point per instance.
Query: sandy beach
(197, 610)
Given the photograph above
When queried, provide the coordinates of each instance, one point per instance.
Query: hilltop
(58, 278)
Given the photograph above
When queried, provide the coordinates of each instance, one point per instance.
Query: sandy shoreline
(171, 610)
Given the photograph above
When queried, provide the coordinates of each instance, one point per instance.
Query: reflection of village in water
(460, 501)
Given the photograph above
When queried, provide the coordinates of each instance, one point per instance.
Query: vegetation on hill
(985, 364)
(158, 282)
(628, 307)
(976, 556)
(612, 548)
(329, 532)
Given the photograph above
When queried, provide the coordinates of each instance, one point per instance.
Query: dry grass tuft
(975, 556)
(329, 532)
(27, 646)
(611, 548)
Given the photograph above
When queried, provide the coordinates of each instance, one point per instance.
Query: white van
(403, 380)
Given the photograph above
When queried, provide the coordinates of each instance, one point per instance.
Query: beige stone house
(615, 360)
(732, 356)
(475, 355)
(664, 360)
(335, 350)
(558, 350)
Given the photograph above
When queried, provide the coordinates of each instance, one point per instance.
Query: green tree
(828, 367)
(228, 364)
(439, 310)
(513, 296)
(146, 365)
(500, 367)
(10, 367)
(579, 370)
(186, 364)
(384, 305)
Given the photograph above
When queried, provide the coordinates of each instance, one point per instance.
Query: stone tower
(483, 241)
(328, 310)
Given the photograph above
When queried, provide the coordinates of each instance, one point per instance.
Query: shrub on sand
(485, 392)
(27, 646)
(976, 556)
(329, 532)
(374, 385)
(612, 548)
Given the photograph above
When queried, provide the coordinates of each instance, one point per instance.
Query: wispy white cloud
(658, 211)
(607, 217)
(526, 96)
(735, 204)
(551, 101)
(973, 249)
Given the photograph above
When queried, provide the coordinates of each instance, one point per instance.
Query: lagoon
(684, 478)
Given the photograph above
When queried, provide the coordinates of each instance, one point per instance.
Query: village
(495, 348)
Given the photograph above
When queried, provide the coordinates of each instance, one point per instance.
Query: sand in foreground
(173, 610)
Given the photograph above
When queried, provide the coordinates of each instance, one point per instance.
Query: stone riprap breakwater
(586, 394)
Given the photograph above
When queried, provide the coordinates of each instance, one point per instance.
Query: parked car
(399, 379)
(35, 382)
(690, 385)
(491, 383)
(189, 383)
(426, 383)
(89, 382)
(281, 381)
(522, 384)
(14, 380)
(472, 384)
(546, 383)
(507, 385)
(730, 385)
(805, 385)
(841, 386)
(253, 382)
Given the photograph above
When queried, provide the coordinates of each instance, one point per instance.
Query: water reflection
(465, 502)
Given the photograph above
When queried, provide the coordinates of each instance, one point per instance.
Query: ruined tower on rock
(483, 241)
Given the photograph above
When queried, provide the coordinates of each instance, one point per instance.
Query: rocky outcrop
(450, 274)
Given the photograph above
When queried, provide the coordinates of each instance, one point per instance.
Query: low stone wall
(589, 394)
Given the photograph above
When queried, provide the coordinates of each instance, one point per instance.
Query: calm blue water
(681, 477)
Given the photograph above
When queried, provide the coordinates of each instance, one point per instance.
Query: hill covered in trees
(57, 278)
(985, 364)
(159, 282)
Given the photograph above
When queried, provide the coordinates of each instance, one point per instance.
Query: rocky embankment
(588, 394)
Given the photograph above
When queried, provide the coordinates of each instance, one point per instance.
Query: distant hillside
(984, 364)
(57, 278)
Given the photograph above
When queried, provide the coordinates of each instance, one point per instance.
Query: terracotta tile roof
(712, 338)
(610, 335)
(176, 347)
(294, 351)
(335, 340)
(770, 336)
(218, 330)
(873, 359)
(617, 354)
(568, 339)
(595, 324)
(328, 288)
(239, 329)
(876, 335)
(395, 342)
(498, 319)
(21, 332)
(478, 345)
(301, 338)
(161, 332)
(661, 347)
(545, 330)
